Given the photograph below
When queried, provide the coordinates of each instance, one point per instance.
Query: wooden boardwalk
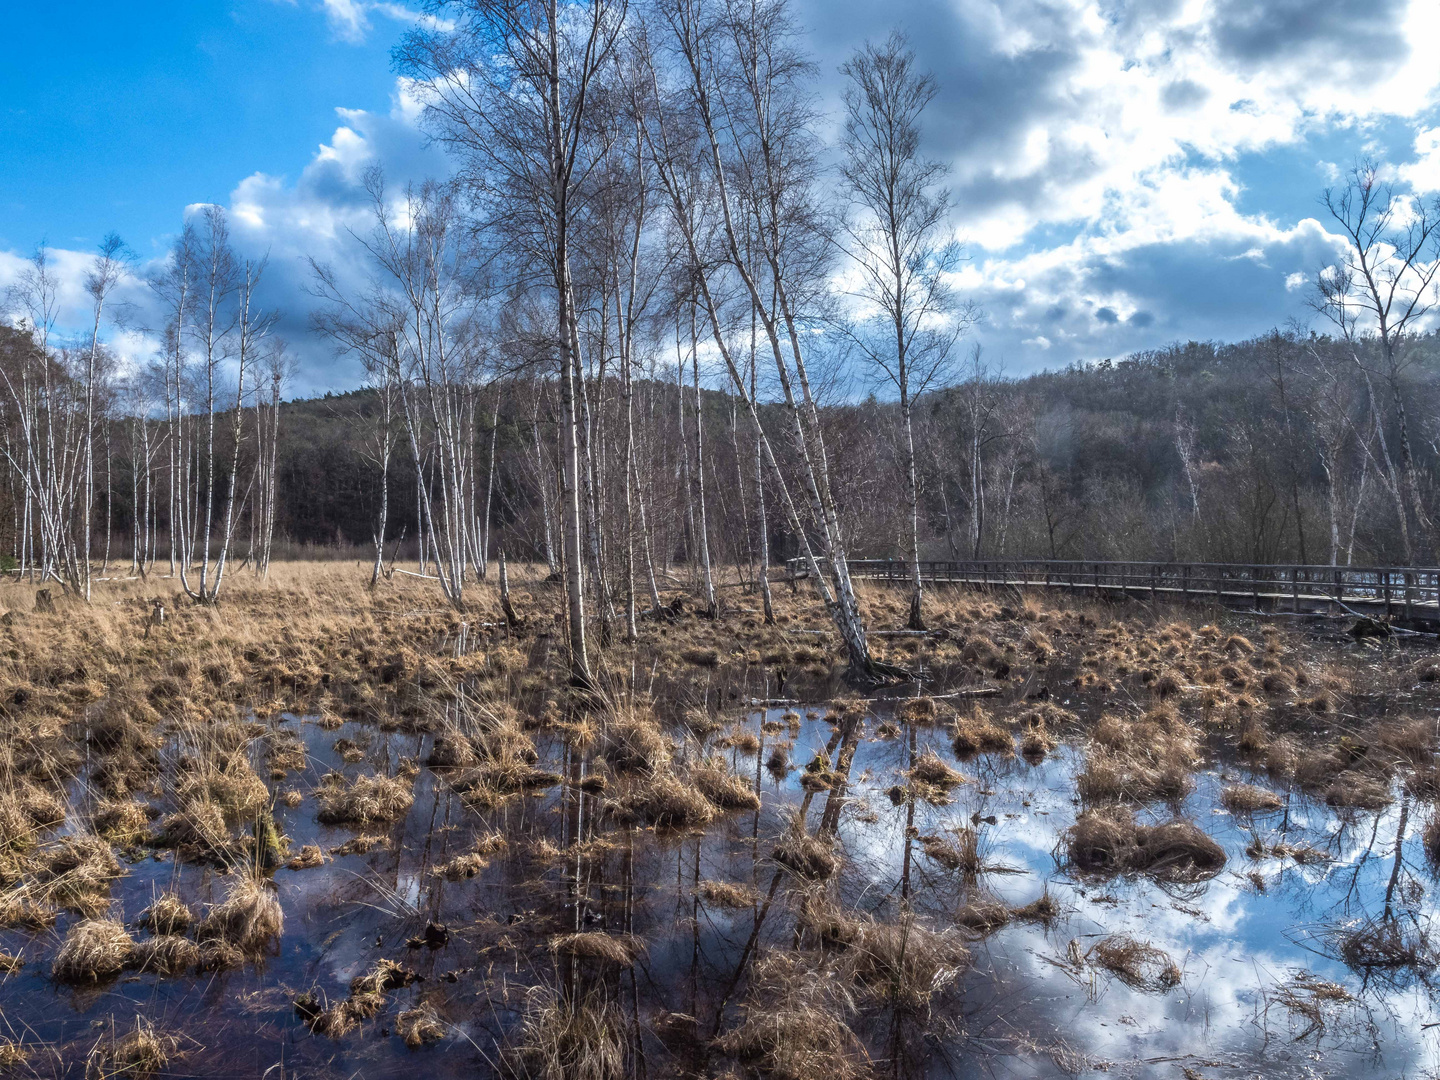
(1411, 593)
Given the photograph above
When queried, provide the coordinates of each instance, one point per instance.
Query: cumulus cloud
(1098, 153)
(287, 222)
(349, 20)
(1086, 138)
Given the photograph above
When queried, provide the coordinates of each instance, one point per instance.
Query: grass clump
(93, 950)
(666, 803)
(577, 1038)
(168, 914)
(167, 954)
(141, 1052)
(1359, 791)
(804, 855)
(929, 769)
(249, 918)
(727, 894)
(1138, 964)
(419, 1026)
(619, 950)
(369, 800)
(977, 733)
(634, 743)
(1246, 798)
(794, 1025)
(310, 856)
(903, 964)
(1139, 760)
(713, 778)
(1109, 842)
(962, 853)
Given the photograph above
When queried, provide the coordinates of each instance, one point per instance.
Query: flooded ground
(1260, 974)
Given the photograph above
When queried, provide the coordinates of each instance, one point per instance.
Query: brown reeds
(726, 791)
(93, 950)
(141, 1052)
(249, 918)
(1138, 964)
(564, 1037)
(369, 800)
(1110, 842)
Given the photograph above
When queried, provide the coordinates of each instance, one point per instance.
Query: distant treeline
(1268, 450)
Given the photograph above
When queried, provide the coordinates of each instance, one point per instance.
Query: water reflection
(1272, 979)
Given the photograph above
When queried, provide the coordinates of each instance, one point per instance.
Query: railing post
(1255, 587)
(1408, 581)
(1185, 581)
(1154, 582)
(1385, 577)
(1295, 589)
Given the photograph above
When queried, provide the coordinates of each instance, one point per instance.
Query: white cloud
(1084, 135)
(284, 221)
(349, 20)
(1423, 174)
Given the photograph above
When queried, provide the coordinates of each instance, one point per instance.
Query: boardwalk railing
(1411, 592)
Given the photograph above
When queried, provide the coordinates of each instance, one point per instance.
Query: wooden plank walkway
(1411, 593)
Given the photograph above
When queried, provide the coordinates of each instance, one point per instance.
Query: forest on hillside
(1261, 451)
(662, 320)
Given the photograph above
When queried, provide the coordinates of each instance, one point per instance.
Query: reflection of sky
(1235, 943)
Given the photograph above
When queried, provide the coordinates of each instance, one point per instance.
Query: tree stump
(44, 602)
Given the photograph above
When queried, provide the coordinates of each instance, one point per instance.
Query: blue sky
(144, 108)
(1125, 174)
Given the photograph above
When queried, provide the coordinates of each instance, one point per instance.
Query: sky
(1124, 175)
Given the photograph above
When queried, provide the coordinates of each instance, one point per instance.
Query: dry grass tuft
(983, 916)
(1412, 741)
(976, 733)
(462, 867)
(634, 743)
(141, 1052)
(1385, 944)
(419, 1026)
(1359, 791)
(728, 894)
(726, 791)
(574, 1038)
(1042, 909)
(903, 964)
(617, 949)
(1138, 964)
(666, 803)
(369, 800)
(360, 845)
(1140, 760)
(310, 856)
(962, 853)
(1109, 842)
(929, 769)
(93, 950)
(451, 751)
(167, 954)
(804, 855)
(794, 1025)
(122, 821)
(1246, 798)
(249, 918)
(917, 710)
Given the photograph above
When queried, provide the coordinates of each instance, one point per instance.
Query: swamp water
(1264, 987)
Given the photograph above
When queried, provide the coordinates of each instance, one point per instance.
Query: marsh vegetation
(330, 829)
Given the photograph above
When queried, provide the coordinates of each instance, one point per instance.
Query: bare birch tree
(898, 242)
